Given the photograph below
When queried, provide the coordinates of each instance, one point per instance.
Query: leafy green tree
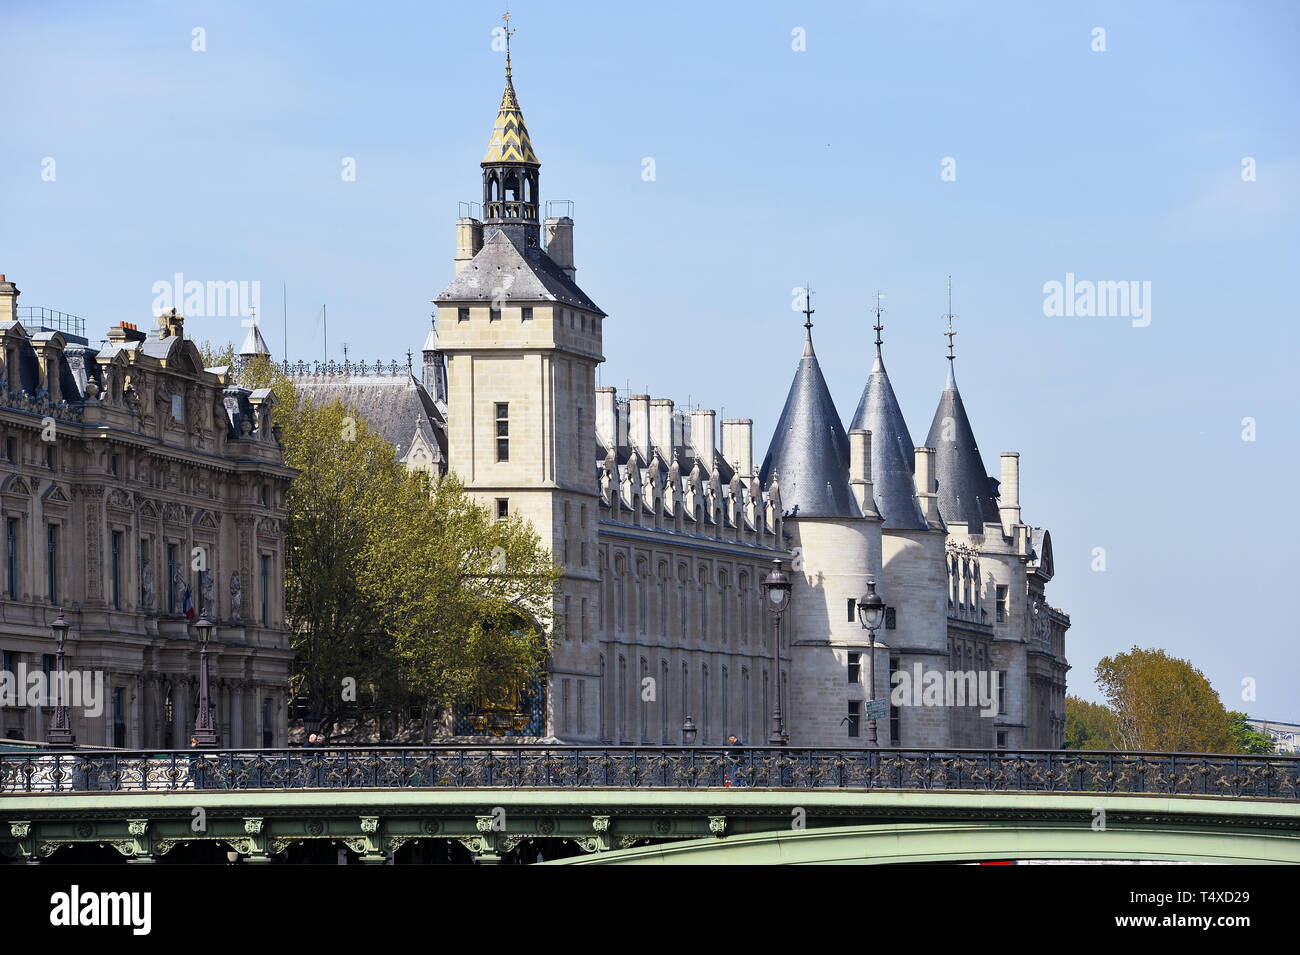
(1247, 738)
(1089, 725)
(1164, 704)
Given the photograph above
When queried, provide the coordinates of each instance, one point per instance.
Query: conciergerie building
(666, 522)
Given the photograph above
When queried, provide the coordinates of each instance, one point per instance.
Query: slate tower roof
(893, 454)
(809, 453)
(967, 495)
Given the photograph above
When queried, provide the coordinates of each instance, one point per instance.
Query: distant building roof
(501, 271)
(967, 495)
(892, 453)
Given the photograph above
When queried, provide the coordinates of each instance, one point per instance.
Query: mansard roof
(809, 453)
(520, 275)
(893, 454)
(967, 495)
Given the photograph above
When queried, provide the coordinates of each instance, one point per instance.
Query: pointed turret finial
(807, 307)
(879, 326)
(509, 33)
(950, 316)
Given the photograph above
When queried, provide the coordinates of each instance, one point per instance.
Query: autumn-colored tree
(1089, 725)
(1163, 704)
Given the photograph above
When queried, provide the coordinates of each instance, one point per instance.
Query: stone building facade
(666, 532)
(129, 475)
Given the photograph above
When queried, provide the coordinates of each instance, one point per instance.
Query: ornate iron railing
(686, 767)
(346, 369)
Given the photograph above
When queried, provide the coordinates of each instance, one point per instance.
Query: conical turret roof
(892, 453)
(809, 452)
(254, 343)
(510, 142)
(967, 495)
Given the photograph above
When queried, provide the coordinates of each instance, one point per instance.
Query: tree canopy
(1162, 703)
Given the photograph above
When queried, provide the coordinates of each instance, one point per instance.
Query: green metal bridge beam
(759, 824)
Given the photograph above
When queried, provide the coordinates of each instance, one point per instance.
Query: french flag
(187, 602)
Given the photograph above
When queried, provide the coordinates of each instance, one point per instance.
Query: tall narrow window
(172, 571)
(266, 590)
(895, 713)
(1002, 602)
(855, 668)
(854, 718)
(119, 717)
(503, 431)
(268, 735)
(52, 551)
(117, 570)
(11, 557)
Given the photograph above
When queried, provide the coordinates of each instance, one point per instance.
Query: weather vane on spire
(807, 307)
(509, 33)
(950, 316)
(879, 326)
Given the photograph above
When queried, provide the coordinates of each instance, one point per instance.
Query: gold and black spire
(510, 168)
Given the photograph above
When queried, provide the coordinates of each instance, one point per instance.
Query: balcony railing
(34, 315)
(683, 767)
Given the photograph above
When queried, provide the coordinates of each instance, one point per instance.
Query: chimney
(469, 239)
(738, 445)
(607, 417)
(661, 427)
(8, 300)
(704, 437)
(1009, 504)
(638, 424)
(559, 243)
(925, 491)
(860, 471)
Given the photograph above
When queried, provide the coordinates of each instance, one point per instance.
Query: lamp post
(871, 614)
(688, 732)
(776, 585)
(204, 732)
(60, 731)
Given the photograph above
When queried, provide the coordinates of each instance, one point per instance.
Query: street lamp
(60, 732)
(871, 614)
(205, 734)
(688, 732)
(776, 585)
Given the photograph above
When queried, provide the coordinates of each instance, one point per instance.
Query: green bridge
(570, 805)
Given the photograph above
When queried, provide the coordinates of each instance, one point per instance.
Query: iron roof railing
(52, 318)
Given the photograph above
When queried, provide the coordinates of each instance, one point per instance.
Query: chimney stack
(704, 437)
(607, 417)
(8, 300)
(860, 471)
(661, 427)
(738, 445)
(559, 243)
(638, 424)
(925, 489)
(469, 239)
(1009, 503)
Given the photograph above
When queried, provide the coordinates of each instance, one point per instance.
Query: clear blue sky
(774, 167)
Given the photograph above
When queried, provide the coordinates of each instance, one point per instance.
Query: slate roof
(254, 343)
(967, 495)
(525, 275)
(396, 406)
(510, 142)
(809, 452)
(893, 455)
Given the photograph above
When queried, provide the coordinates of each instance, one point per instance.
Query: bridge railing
(684, 767)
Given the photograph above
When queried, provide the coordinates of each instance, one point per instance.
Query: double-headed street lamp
(776, 585)
(60, 732)
(871, 614)
(205, 734)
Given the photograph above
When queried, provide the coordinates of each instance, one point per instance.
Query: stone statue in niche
(206, 589)
(236, 599)
(147, 593)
